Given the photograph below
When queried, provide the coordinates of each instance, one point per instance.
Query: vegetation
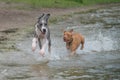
(59, 3)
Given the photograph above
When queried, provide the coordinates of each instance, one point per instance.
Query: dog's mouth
(65, 40)
(43, 31)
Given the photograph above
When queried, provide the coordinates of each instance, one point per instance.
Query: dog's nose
(44, 30)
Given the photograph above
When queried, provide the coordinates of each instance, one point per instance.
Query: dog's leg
(40, 46)
(82, 44)
(34, 41)
(34, 44)
(73, 49)
(49, 41)
(68, 46)
(42, 50)
(49, 45)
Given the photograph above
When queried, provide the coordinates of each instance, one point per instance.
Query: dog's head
(68, 36)
(42, 23)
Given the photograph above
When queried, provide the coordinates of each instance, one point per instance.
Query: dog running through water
(42, 34)
(73, 41)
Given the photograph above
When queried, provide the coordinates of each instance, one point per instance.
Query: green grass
(89, 2)
(46, 3)
(59, 3)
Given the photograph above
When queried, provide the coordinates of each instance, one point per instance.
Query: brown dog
(73, 41)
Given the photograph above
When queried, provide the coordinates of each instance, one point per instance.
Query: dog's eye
(40, 24)
(45, 24)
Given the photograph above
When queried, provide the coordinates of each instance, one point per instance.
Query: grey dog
(42, 34)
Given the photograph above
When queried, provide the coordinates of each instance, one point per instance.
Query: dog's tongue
(43, 33)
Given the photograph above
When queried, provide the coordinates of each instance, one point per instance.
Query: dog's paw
(42, 53)
(72, 53)
(33, 46)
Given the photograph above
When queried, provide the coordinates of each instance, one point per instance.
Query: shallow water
(100, 59)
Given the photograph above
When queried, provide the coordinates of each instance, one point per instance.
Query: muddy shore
(15, 18)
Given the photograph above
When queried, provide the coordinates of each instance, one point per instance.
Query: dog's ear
(47, 16)
(71, 30)
(41, 16)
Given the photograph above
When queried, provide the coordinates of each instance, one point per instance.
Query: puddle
(100, 59)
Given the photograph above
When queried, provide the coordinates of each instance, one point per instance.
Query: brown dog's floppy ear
(71, 30)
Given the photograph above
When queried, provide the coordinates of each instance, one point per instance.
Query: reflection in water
(99, 60)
